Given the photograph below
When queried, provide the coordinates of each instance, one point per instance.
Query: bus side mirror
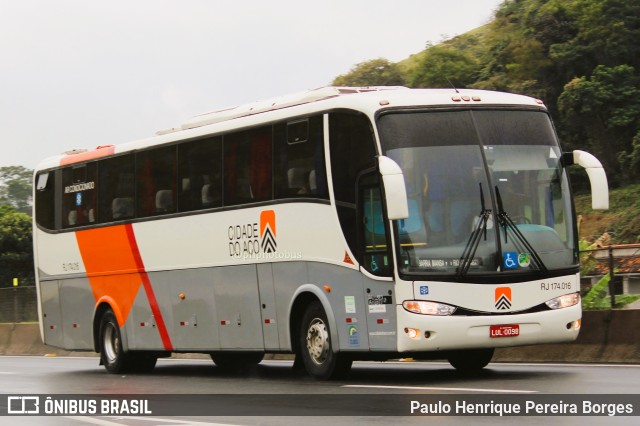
(597, 177)
(394, 188)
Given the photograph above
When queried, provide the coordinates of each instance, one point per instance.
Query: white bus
(339, 224)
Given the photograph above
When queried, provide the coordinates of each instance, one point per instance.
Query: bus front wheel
(316, 349)
(113, 357)
(472, 360)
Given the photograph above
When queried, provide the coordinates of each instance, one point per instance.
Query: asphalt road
(272, 394)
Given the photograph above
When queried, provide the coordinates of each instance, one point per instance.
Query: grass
(621, 221)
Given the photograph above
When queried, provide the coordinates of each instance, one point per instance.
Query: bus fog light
(428, 308)
(412, 332)
(564, 301)
(574, 325)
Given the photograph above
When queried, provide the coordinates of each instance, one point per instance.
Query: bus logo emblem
(503, 298)
(268, 231)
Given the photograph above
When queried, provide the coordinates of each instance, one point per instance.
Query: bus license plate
(511, 330)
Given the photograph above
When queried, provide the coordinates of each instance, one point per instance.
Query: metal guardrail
(18, 304)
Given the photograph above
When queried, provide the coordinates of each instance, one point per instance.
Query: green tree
(516, 58)
(602, 113)
(15, 188)
(605, 32)
(631, 162)
(443, 66)
(376, 72)
(16, 248)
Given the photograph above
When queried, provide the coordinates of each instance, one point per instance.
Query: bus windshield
(486, 190)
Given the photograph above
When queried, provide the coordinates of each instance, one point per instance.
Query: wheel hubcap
(111, 343)
(318, 341)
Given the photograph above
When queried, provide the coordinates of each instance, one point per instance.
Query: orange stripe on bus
(116, 272)
(101, 151)
(111, 267)
(155, 309)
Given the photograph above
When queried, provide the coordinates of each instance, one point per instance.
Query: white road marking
(548, 364)
(175, 421)
(102, 421)
(429, 388)
(93, 420)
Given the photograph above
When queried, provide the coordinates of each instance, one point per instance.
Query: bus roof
(368, 100)
(287, 101)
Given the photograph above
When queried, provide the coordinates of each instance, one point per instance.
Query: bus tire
(113, 356)
(472, 360)
(237, 360)
(316, 349)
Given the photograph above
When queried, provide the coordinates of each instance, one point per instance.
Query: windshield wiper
(474, 239)
(507, 224)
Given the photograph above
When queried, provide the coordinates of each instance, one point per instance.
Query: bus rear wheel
(316, 348)
(472, 360)
(112, 355)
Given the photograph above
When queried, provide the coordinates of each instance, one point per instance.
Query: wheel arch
(103, 305)
(304, 296)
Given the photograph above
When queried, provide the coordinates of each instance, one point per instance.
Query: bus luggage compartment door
(51, 316)
(238, 307)
(268, 306)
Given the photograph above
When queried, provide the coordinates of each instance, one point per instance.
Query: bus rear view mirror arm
(597, 177)
(394, 188)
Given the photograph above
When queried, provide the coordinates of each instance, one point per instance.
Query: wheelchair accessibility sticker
(510, 260)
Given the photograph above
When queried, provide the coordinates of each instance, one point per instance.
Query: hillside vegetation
(621, 221)
(581, 57)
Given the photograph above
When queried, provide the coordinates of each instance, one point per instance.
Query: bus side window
(247, 166)
(116, 188)
(45, 196)
(79, 195)
(373, 254)
(299, 159)
(352, 151)
(261, 164)
(200, 174)
(156, 181)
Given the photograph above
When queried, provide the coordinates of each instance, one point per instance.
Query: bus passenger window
(116, 188)
(299, 159)
(247, 166)
(156, 181)
(79, 195)
(261, 165)
(200, 174)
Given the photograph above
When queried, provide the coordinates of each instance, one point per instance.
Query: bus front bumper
(423, 333)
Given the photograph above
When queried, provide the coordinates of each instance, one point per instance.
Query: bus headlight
(565, 301)
(428, 308)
